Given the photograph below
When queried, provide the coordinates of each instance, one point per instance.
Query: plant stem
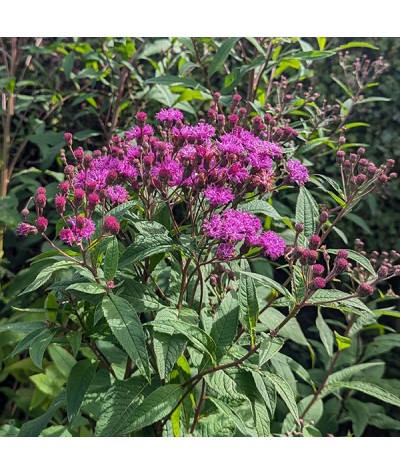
(199, 406)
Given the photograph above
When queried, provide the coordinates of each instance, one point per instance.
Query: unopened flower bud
(60, 202)
(41, 224)
(365, 289)
(342, 254)
(112, 175)
(382, 272)
(92, 200)
(25, 229)
(40, 200)
(323, 217)
(341, 265)
(79, 194)
(69, 171)
(25, 213)
(41, 191)
(299, 228)
(318, 270)
(318, 283)
(314, 242)
(111, 225)
(110, 284)
(360, 179)
(68, 138)
(342, 140)
(141, 117)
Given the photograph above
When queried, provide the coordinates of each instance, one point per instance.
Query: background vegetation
(93, 87)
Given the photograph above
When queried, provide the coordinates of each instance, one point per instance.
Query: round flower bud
(111, 177)
(41, 191)
(323, 217)
(40, 200)
(342, 254)
(25, 213)
(342, 140)
(299, 227)
(79, 194)
(361, 179)
(68, 138)
(341, 265)
(41, 224)
(318, 283)
(110, 284)
(365, 289)
(64, 186)
(314, 242)
(390, 163)
(69, 171)
(382, 272)
(87, 159)
(318, 270)
(141, 117)
(60, 202)
(111, 225)
(236, 98)
(92, 200)
(79, 154)
(91, 186)
(216, 96)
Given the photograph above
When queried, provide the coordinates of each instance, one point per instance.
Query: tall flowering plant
(163, 315)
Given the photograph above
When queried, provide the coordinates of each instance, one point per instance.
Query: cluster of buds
(361, 176)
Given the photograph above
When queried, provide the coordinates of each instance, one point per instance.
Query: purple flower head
(217, 195)
(273, 246)
(230, 144)
(297, 172)
(197, 133)
(117, 194)
(139, 132)
(168, 171)
(169, 115)
(225, 251)
(237, 173)
(81, 228)
(25, 229)
(232, 225)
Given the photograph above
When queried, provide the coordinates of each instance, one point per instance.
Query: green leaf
(272, 317)
(45, 274)
(167, 349)
(366, 388)
(145, 246)
(221, 55)
(260, 207)
(342, 341)
(270, 283)
(325, 334)
(34, 427)
(78, 382)
(39, 345)
(262, 420)
(125, 324)
(342, 86)
(156, 405)
(140, 296)
(225, 324)
(356, 44)
(29, 340)
(22, 327)
(111, 259)
(269, 346)
(338, 299)
(199, 339)
(75, 340)
(347, 373)
(357, 257)
(307, 211)
(321, 42)
(284, 391)
(63, 360)
(90, 288)
(248, 303)
(228, 411)
(119, 405)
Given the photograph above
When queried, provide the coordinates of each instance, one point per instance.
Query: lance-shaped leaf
(307, 211)
(199, 338)
(78, 382)
(126, 326)
(225, 325)
(248, 303)
(145, 246)
(111, 259)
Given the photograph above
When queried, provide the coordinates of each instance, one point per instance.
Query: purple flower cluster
(298, 173)
(233, 226)
(81, 228)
